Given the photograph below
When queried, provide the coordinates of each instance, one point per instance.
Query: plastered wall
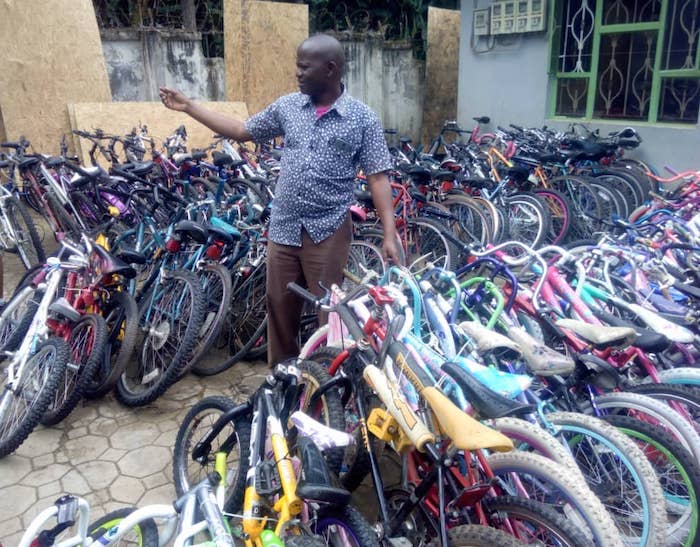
(120, 117)
(261, 40)
(51, 55)
(441, 71)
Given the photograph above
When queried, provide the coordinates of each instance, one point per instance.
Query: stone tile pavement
(107, 453)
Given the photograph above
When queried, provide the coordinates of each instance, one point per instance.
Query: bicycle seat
(130, 256)
(540, 359)
(364, 197)
(316, 483)
(646, 339)
(482, 119)
(601, 336)
(199, 155)
(28, 162)
(110, 264)
(219, 234)
(444, 174)
(323, 436)
(195, 231)
(139, 168)
(465, 432)
(487, 339)
(417, 195)
(487, 403)
(405, 140)
(221, 159)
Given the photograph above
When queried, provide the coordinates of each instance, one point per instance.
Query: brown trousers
(306, 265)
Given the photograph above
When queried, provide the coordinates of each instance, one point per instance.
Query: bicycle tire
(121, 315)
(560, 211)
(428, 244)
(364, 256)
(146, 531)
(188, 472)
(471, 224)
(328, 408)
(610, 200)
(356, 463)
(601, 443)
(535, 522)
(162, 322)
(65, 223)
(684, 399)
(247, 323)
(216, 285)
(28, 244)
(679, 375)
(536, 215)
(678, 472)
(625, 183)
(15, 322)
(533, 438)
(87, 340)
(376, 237)
(346, 524)
(571, 493)
(304, 541)
(586, 204)
(476, 535)
(658, 411)
(57, 351)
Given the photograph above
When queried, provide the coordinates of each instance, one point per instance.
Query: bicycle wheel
(327, 408)
(627, 184)
(26, 239)
(356, 463)
(560, 210)
(121, 315)
(233, 440)
(87, 340)
(684, 399)
(143, 534)
(216, 284)
(611, 204)
(170, 316)
(474, 535)
(22, 406)
(528, 219)
(617, 471)
(549, 482)
(587, 209)
(364, 257)
(66, 223)
(371, 234)
(17, 316)
(532, 522)
(471, 224)
(427, 245)
(679, 375)
(678, 474)
(648, 409)
(344, 527)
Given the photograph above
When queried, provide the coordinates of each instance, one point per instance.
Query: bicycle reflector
(213, 252)
(172, 245)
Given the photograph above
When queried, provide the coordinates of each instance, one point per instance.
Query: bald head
(326, 49)
(320, 68)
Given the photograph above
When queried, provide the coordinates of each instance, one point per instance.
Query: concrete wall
(383, 74)
(507, 80)
(387, 77)
(140, 61)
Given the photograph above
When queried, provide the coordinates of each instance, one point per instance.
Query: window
(626, 60)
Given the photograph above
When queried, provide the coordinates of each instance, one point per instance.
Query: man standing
(328, 135)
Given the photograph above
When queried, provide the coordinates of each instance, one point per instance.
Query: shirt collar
(340, 104)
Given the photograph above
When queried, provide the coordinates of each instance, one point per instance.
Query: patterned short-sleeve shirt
(322, 155)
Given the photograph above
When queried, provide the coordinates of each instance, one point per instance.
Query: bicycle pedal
(64, 309)
(267, 478)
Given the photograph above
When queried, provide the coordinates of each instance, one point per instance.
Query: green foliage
(391, 19)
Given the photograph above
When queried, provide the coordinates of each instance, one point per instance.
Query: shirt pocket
(338, 156)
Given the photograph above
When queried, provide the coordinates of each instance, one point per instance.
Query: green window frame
(625, 60)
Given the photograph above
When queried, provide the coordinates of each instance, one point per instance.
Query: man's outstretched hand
(174, 100)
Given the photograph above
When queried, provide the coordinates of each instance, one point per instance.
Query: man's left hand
(390, 250)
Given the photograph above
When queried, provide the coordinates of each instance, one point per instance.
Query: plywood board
(260, 54)
(121, 117)
(441, 71)
(51, 56)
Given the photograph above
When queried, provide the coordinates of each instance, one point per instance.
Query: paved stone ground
(107, 453)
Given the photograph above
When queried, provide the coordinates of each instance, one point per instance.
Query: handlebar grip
(397, 406)
(303, 293)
